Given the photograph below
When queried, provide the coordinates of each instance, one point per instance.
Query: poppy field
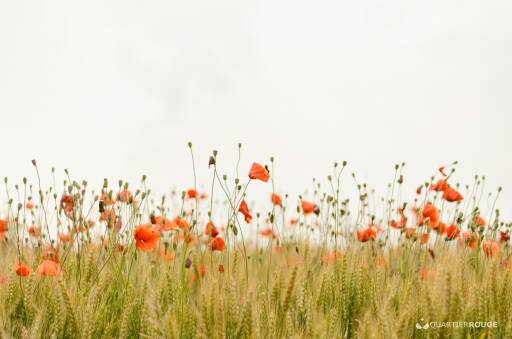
(119, 261)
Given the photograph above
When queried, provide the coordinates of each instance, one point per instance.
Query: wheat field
(119, 261)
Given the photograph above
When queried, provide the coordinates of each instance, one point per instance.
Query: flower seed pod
(188, 262)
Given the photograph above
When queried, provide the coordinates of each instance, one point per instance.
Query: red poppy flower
(191, 194)
(479, 221)
(399, 224)
(22, 270)
(366, 235)
(146, 237)
(244, 209)
(218, 244)
(490, 248)
(267, 232)
(211, 230)
(162, 223)
(451, 195)
(3, 228)
(470, 240)
(67, 202)
(180, 223)
(440, 186)
(34, 231)
(427, 274)
(202, 270)
(309, 207)
(452, 232)
(276, 199)
(221, 268)
(432, 213)
(49, 268)
(258, 172)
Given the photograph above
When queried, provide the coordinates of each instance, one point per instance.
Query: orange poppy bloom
(451, 195)
(490, 248)
(267, 232)
(211, 230)
(424, 238)
(366, 235)
(441, 228)
(470, 240)
(22, 270)
(67, 202)
(146, 237)
(221, 268)
(124, 196)
(218, 244)
(439, 186)
(276, 199)
(202, 270)
(51, 253)
(244, 209)
(427, 274)
(187, 237)
(399, 224)
(49, 268)
(34, 231)
(309, 207)
(3, 228)
(432, 213)
(163, 224)
(479, 221)
(293, 221)
(452, 232)
(259, 172)
(180, 223)
(191, 193)
(29, 205)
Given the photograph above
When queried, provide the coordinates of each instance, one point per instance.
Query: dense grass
(294, 270)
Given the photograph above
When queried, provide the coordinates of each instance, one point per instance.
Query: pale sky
(117, 88)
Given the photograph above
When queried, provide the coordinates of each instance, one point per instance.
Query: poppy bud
(211, 161)
(34, 162)
(189, 144)
(188, 262)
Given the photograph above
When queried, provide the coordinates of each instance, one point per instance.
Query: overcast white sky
(116, 88)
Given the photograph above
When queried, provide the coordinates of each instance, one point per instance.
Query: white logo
(422, 327)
